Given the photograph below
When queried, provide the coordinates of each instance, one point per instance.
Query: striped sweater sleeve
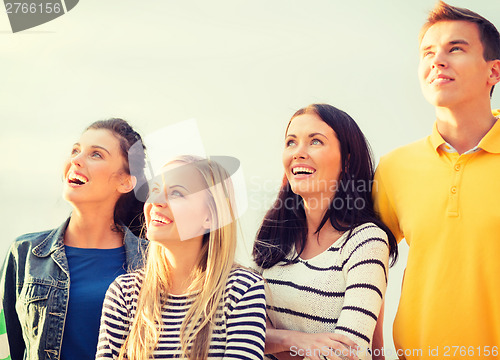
(365, 270)
(115, 322)
(246, 323)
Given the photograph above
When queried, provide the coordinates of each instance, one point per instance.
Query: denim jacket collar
(54, 243)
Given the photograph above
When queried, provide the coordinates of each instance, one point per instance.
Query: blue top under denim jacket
(35, 291)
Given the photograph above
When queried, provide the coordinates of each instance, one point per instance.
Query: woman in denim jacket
(44, 319)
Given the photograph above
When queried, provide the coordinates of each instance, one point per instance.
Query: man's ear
(494, 77)
(127, 183)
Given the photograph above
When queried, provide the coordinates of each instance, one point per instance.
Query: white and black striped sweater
(339, 291)
(239, 332)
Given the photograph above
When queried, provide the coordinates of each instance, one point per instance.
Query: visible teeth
(163, 220)
(76, 177)
(302, 169)
(441, 80)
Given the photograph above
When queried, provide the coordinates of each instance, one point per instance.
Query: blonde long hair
(209, 276)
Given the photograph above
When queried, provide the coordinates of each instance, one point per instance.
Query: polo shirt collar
(436, 138)
(490, 142)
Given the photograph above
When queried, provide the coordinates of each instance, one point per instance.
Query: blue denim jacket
(35, 290)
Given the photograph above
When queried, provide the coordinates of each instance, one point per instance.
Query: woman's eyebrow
(178, 186)
(100, 147)
(315, 134)
(93, 147)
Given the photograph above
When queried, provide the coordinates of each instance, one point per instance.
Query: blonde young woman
(191, 300)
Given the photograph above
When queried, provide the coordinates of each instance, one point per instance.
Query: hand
(321, 346)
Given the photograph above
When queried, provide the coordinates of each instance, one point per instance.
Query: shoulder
(134, 243)
(136, 250)
(131, 239)
(245, 292)
(25, 243)
(134, 279)
(242, 280)
(22, 253)
(128, 285)
(33, 238)
(244, 276)
(404, 153)
(41, 243)
(364, 234)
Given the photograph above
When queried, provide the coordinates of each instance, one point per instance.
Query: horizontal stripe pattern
(239, 330)
(340, 290)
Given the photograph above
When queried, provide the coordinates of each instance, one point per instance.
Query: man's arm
(383, 202)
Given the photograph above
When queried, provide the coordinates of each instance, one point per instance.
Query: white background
(241, 68)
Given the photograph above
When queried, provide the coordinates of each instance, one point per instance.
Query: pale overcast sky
(240, 68)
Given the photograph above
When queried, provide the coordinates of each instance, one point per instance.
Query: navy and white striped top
(239, 330)
(338, 291)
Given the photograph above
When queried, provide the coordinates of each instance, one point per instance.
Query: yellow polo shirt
(447, 207)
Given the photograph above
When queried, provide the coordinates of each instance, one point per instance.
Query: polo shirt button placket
(453, 202)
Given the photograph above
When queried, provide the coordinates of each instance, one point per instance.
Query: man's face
(452, 70)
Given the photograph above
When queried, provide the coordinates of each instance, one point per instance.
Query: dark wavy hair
(128, 209)
(285, 223)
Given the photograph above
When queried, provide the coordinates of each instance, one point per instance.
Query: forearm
(289, 344)
(277, 340)
(286, 355)
(378, 337)
(281, 345)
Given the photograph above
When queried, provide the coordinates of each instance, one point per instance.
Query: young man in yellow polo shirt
(442, 194)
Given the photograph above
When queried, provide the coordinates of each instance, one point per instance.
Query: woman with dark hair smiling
(322, 250)
(53, 282)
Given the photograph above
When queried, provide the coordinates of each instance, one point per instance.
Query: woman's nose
(158, 199)
(77, 160)
(300, 153)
